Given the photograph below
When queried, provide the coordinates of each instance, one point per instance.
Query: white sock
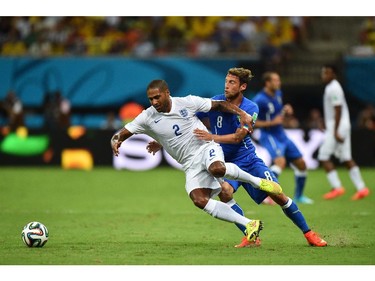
(333, 179)
(231, 202)
(276, 169)
(298, 172)
(355, 175)
(233, 172)
(222, 211)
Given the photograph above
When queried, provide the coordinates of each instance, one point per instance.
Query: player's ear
(243, 87)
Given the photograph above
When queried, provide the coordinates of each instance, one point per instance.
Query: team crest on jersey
(184, 112)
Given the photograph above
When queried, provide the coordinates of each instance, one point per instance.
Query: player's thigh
(259, 169)
(197, 176)
(292, 152)
(345, 151)
(274, 147)
(327, 148)
(212, 153)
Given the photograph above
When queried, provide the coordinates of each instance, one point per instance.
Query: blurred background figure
(366, 118)
(57, 111)
(283, 151)
(13, 108)
(315, 120)
(337, 141)
(112, 122)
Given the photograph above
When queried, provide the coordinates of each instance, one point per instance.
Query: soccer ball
(35, 234)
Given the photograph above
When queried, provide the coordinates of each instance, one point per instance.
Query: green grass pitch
(110, 217)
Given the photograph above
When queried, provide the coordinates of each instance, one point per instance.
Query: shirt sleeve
(336, 96)
(200, 104)
(138, 125)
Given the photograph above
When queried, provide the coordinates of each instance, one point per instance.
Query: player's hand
(116, 143)
(338, 137)
(278, 120)
(202, 135)
(153, 147)
(246, 121)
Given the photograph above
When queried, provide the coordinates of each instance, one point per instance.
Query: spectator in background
(290, 122)
(111, 123)
(366, 118)
(14, 110)
(57, 111)
(315, 120)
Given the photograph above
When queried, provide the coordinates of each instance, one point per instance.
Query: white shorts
(342, 151)
(197, 175)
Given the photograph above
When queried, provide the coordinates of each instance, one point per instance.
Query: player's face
(159, 100)
(275, 82)
(326, 74)
(232, 87)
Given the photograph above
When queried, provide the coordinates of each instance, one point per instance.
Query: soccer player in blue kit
(239, 149)
(273, 136)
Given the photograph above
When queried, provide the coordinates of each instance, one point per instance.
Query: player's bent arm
(236, 137)
(225, 106)
(337, 123)
(117, 139)
(269, 123)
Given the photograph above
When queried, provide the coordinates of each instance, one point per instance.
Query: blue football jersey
(274, 138)
(242, 154)
(269, 108)
(223, 123)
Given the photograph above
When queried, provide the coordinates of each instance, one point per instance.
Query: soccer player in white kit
(337, 139)
(171, 122)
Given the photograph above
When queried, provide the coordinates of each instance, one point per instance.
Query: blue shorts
(277, 148)
(255, 167)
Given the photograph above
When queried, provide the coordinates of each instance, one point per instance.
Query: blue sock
(291, 210)
(238, 210)
(300, 185)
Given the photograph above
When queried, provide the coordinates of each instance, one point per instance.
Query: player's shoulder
(259, 96)
(333, 86)
(248, 105)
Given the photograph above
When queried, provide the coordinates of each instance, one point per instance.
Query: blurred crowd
(272, 37)
(367, 34)
(57, 112)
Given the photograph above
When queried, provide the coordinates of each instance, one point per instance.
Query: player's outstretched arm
(118, 138)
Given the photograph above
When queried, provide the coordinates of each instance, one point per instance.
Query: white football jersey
(174, 130)
(334, 96)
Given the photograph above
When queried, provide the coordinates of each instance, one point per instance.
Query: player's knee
(300, 164)
(226, 193)
(200, 202)
(217, 169)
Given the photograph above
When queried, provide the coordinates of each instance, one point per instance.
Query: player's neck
(269, 92)
(236, 100)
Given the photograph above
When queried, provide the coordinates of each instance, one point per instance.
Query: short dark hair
(243, 74)
(267, 76)
(158, 84)
(331, 66)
